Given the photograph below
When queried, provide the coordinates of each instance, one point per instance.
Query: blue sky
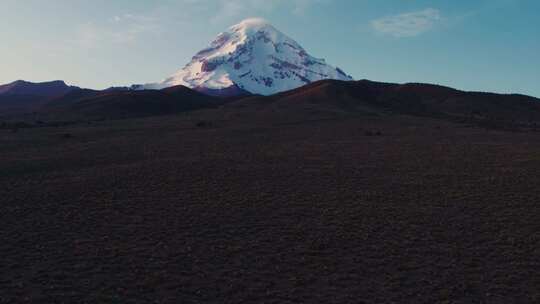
(487, 45)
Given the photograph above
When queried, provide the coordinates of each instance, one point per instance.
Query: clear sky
(487, 45)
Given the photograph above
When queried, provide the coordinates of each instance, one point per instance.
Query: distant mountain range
(254, 63)
(368, 97)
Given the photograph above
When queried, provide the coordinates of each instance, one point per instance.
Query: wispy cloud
(130, 28)
(408, 24)
(119, 29)
(300, 7)
(234, 9)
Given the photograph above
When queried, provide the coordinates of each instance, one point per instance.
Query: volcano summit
(251, 56)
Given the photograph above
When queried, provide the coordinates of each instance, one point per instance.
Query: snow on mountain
(255, 57)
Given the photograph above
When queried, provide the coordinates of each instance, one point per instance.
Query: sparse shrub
(203, 124)
(373, 133)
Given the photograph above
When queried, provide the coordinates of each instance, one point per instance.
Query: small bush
(203, 124)
(373, 133)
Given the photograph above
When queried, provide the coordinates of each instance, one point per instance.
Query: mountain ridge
(43, 89)
(380, 98)
(329, 96)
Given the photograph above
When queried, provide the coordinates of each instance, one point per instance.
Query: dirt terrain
(231, 206)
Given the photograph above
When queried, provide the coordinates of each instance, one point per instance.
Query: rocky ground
(215, 207)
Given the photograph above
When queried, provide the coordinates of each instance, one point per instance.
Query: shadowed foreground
(168, 210)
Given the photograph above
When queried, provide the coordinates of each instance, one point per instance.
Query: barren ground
(240, 210)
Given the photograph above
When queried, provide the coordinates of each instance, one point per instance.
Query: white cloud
(407, 24)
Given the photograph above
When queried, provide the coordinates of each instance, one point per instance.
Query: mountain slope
(333, 96)
(252, 56)
(127, 104)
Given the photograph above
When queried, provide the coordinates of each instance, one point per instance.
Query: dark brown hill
(323, 97)
(25, 97)
(127, 103)
(411, 99)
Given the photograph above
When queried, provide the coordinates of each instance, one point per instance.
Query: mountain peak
(252, 56)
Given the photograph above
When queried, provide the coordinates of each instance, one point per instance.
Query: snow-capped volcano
(252, 56)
